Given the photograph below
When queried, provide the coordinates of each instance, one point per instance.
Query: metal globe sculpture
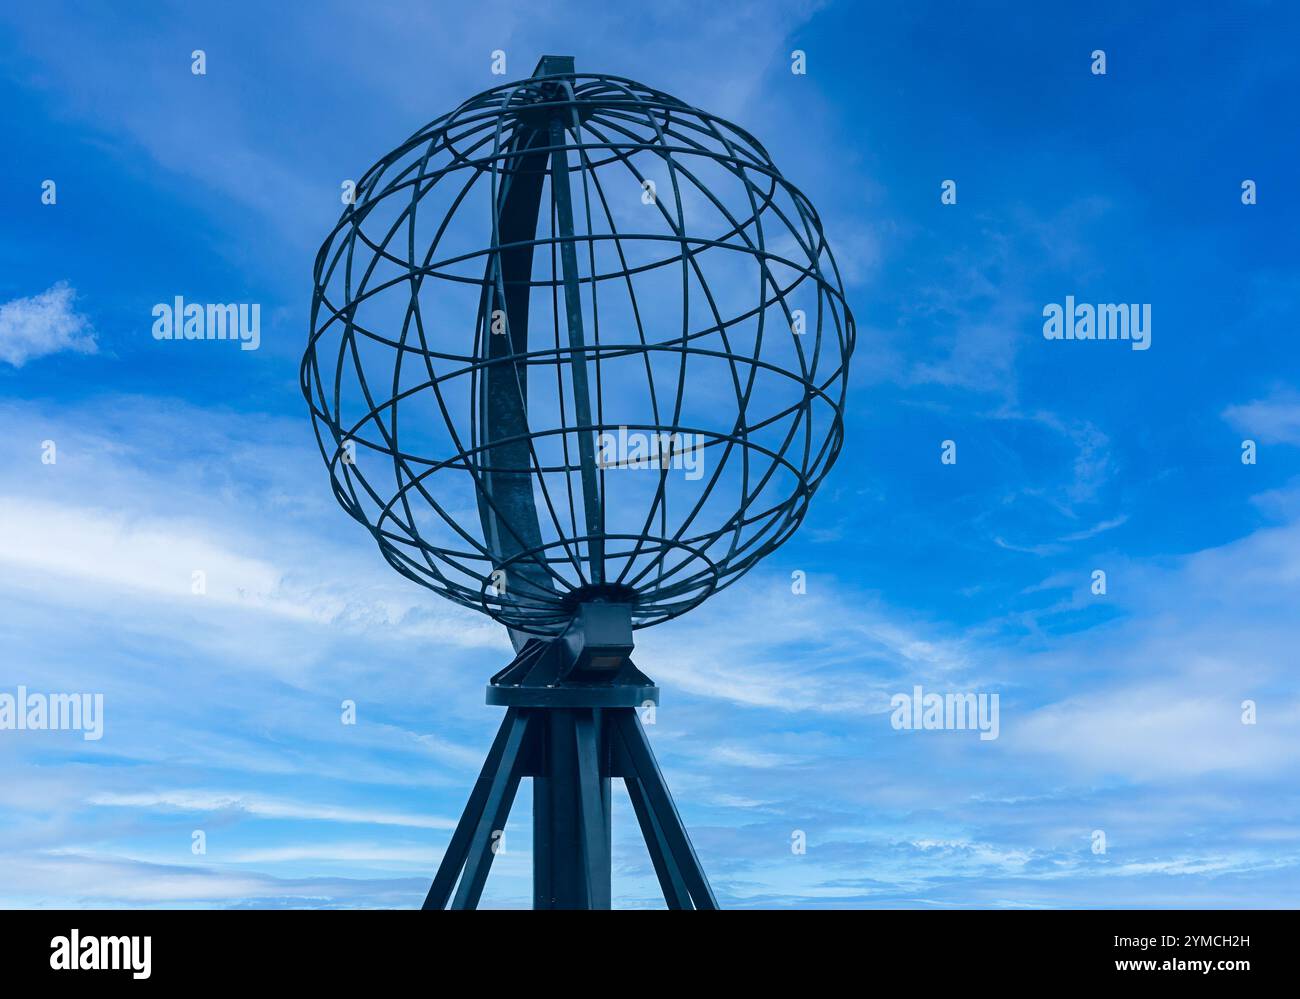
(578, 360)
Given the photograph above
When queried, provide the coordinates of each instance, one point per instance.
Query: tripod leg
(496, 808)
(591, 806)
(670, 878)
(663, 809)
(458, 849)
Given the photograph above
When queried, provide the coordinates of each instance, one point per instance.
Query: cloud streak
(44, 324)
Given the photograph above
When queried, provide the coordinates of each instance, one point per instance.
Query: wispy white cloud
(162, 558)
(1098, 528)
(1274, 419)
(44, 324)
(422, 858)
(94, 880)
(1143, 732)
(749, 756)
(264, 807)
(738, 648)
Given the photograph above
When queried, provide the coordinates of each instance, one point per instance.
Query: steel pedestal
(572, 740)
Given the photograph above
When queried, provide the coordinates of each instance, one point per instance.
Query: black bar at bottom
(1033, 949)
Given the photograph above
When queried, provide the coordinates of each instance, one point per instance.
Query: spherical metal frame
(533, 556)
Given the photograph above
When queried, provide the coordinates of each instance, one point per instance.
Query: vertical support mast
(511, 526)
(560, 191)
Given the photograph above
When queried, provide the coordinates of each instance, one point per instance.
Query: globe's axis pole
(563, 196)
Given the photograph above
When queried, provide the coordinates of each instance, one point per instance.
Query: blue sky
(1119, 712)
